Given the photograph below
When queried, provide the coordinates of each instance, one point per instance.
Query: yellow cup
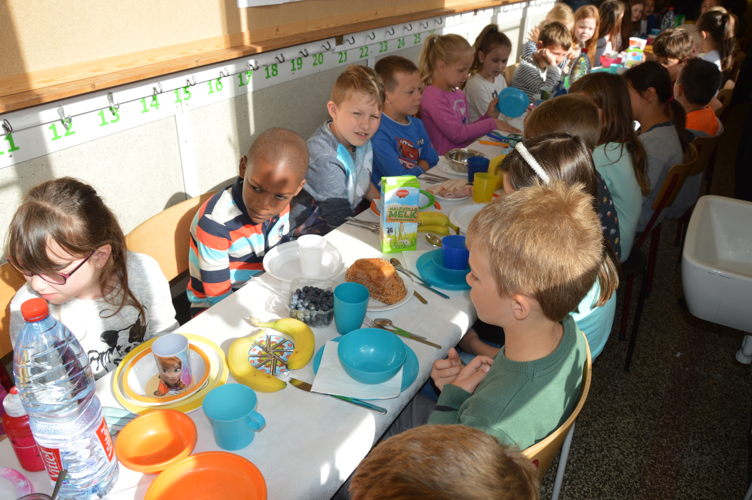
(494, 168)
(484, 186)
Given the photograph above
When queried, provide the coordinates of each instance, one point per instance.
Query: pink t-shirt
(444, 115)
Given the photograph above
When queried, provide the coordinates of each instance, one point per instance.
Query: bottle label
(52, 462)
(51, 456)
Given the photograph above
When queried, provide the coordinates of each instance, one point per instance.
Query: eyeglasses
(54, 278)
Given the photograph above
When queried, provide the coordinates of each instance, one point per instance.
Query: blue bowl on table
(512, 102)
(371, 355)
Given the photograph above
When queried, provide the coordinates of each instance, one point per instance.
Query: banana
(244, 372)
(442, 230)
(301, 334)
(431, 218)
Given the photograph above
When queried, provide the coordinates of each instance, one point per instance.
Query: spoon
(433, 239)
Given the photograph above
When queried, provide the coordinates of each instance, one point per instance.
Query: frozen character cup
(173, 365)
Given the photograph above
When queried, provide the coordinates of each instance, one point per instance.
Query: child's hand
(444, 371)
(492, 111)
(505, 127)
(532, 35)
(472, 374)
(547, 57)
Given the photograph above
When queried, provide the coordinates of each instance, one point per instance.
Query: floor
(677, 425)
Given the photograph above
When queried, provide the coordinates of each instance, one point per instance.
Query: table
(311, 442)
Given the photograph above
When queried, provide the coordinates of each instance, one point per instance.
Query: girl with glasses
(69, 246)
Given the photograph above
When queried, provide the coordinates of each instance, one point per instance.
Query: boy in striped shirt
(541, 69)
(232, 230)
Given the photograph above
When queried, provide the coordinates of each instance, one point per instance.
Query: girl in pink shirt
(444, 66)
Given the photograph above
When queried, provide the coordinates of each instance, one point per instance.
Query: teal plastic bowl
(371, 355)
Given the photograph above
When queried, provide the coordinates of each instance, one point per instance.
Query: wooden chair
(637, 264)
(544, 452)
(166, 236)
(10, 281)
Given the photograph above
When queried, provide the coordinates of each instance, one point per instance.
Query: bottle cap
(12, 404)
(35, 310)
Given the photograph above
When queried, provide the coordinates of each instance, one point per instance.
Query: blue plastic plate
(431, 268)
(512, 102)
(409, 369)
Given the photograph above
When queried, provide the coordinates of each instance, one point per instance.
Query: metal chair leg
(625, 307)
(644, 287)
(655, 239)
(563, 457)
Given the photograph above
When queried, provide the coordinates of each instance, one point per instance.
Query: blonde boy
(401, 146)
(341, 156)
(444, 461)
(533, 256)
(541, 69)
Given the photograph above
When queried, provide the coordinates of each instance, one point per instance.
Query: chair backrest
(10, 281)
(509, 72)
(705, 147)
(724, 96)
(671, 186)
(166, 235)
(543, 452)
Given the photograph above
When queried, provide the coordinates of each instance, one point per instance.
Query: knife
(359, 402)
(420, 280)
(412, 336)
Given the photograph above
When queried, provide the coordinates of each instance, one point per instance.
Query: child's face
(494, 63)
(405, 98)
(268, 186)
(673, 65)
(649, 8)
(483, 290)
(558, 52)
(170, 373)
(455, 74)
(83, 283)
(637, 9)
(355, 119)
(584, 29)
(707, 5)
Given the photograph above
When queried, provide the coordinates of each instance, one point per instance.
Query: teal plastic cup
(231, 410)
(350, 305)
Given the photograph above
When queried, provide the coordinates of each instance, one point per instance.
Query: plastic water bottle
(16, 424)
(56, 387)
(581, 66)
(668, 19)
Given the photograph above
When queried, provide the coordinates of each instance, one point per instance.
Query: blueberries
(312, 305)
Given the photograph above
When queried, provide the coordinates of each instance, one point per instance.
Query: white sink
(717, 262)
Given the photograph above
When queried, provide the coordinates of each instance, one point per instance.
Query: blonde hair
(589, 12)
(565, 158)
(561, 13)
(446, 48)
(358, 78)
(444, 462)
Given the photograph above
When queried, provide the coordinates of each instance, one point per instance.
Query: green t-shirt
(520, 403)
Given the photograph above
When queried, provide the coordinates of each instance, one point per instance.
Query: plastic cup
(454, 251)
(173, 364)
(311, 251)
(231, 410)
(476, 164)
(350, 304)
(484, 187)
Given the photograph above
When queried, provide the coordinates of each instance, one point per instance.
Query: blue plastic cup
(231, 410)
(454, 251)
(350, 304)
(476, 164)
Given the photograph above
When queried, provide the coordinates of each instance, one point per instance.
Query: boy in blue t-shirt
(401, 145)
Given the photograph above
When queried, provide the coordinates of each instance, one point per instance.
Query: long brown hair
(70, 213)
(610, 94)
(488, 39)
(589, 12)
(565, 158)
(717, 24)
(611, 13)
(651, 74)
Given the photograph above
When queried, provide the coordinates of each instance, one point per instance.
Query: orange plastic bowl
(211, 475)
(154, 441)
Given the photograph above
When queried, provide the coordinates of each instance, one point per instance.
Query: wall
(142, 170)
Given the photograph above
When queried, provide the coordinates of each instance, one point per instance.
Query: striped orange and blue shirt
(227, 248)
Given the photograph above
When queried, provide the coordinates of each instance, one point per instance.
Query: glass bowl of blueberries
(312, 302)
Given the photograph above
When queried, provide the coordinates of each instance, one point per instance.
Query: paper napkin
(333, 379)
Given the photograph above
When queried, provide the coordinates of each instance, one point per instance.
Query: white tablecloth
(312, 442)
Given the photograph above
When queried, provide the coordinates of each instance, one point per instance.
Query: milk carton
(399, 213)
